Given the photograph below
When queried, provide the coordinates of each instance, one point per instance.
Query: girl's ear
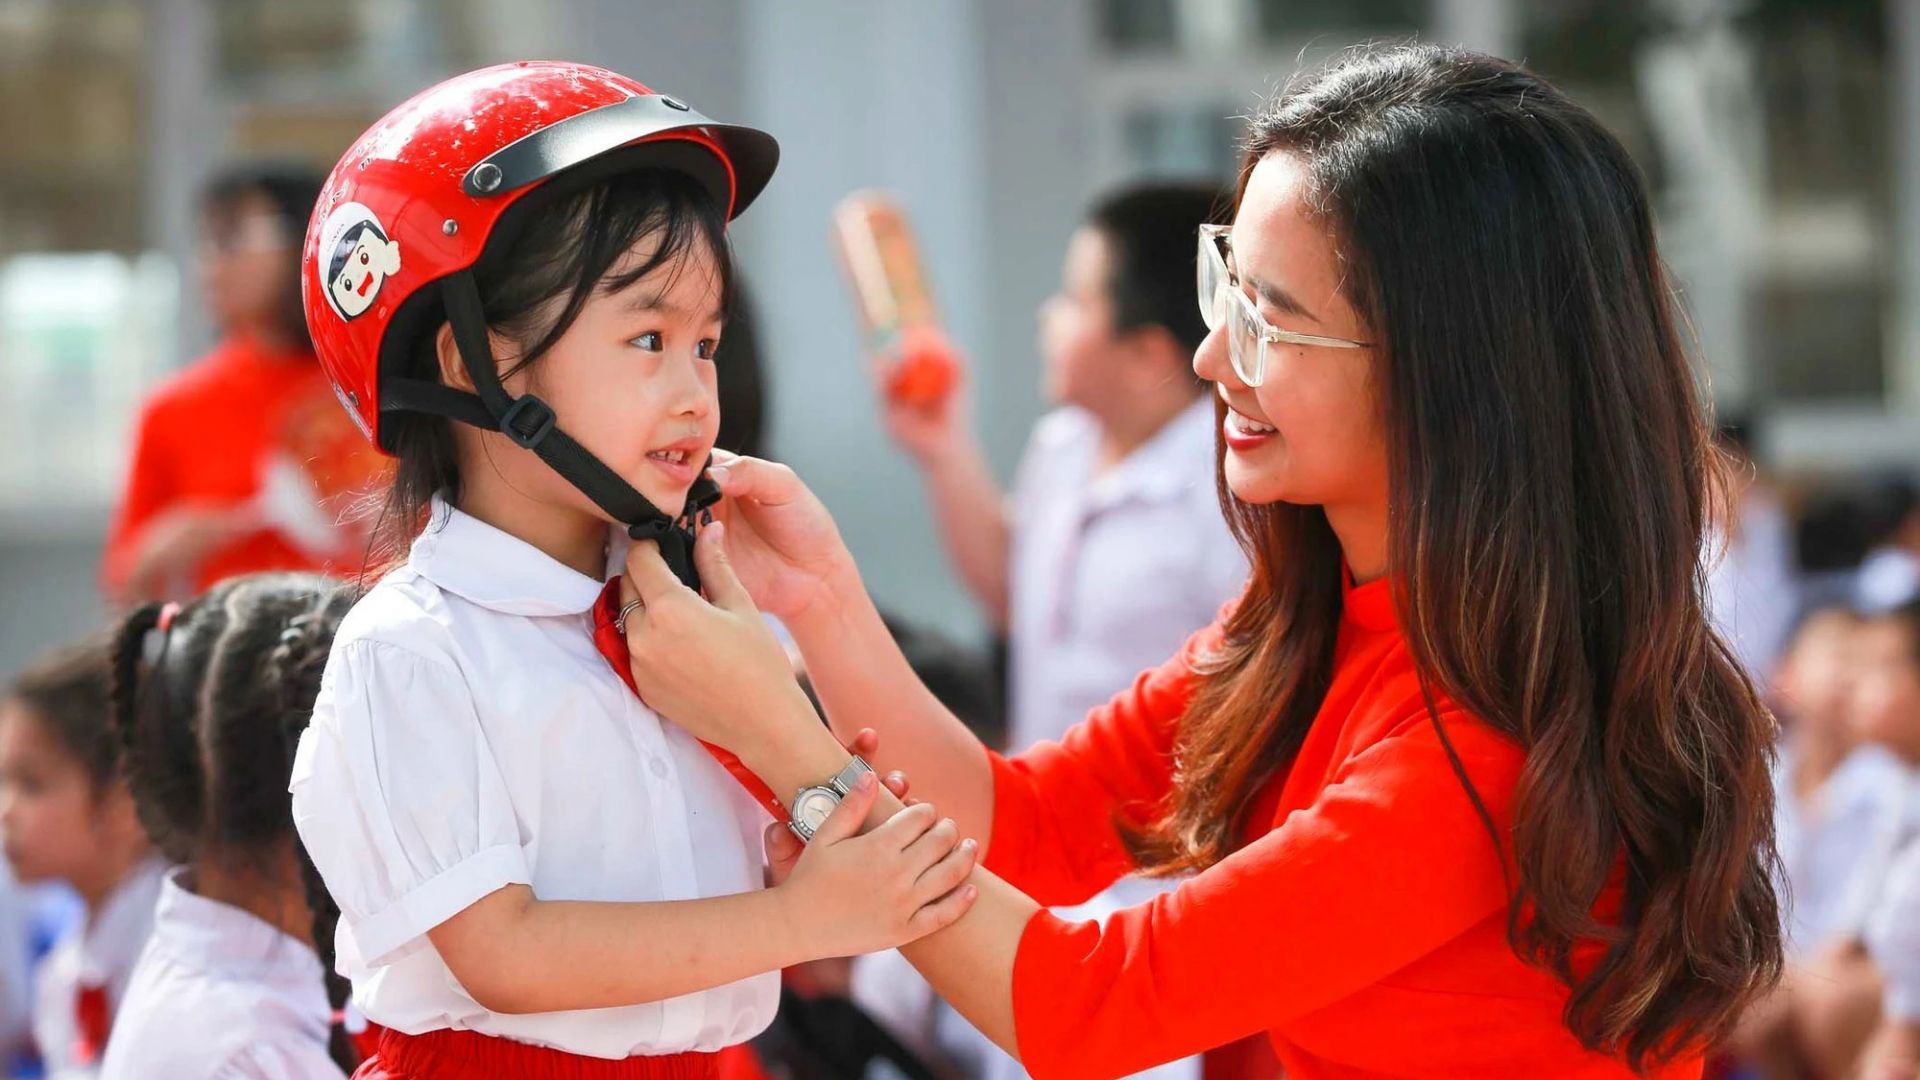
(453, 369)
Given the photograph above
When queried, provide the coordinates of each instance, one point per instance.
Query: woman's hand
(713, 668)
(850, 894)
(779, 537)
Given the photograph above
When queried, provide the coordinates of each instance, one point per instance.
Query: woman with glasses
(1466, 784)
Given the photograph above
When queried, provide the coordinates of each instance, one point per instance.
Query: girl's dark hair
(210, 710)
(742, 380)
(559, 246)
(290, 191)
(66, 692)
(1550, 475)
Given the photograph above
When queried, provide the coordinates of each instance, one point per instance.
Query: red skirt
(469, 1055)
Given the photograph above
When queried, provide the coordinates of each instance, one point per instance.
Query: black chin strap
(531, 423)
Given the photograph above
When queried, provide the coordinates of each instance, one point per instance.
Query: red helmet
(412, 206)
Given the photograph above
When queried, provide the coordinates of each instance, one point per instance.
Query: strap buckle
(536, 416)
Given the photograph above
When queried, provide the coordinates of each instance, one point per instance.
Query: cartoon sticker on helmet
(359, 258)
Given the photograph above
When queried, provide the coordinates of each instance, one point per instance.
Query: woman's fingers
(722, 586)
(760, 481)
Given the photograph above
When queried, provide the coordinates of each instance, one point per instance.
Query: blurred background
(1782, 138)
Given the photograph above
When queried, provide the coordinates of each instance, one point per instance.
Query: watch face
(812, 808)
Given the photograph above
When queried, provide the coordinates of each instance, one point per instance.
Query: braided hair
(209, 701)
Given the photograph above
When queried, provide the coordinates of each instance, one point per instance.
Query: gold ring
(626, 609)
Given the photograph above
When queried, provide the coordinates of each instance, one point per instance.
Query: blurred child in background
(1112, 547)
(242, 462)
(1850, 852)
(68, 816)
(1886, 902)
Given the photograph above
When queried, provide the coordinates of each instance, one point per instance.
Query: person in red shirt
(242, 462)
(1466, 784)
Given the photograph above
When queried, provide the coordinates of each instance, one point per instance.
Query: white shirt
(1826, 840)
(1889, 834)
(99, 952)
(1893, 936)
(1887, 578)
(469, 736)
(1112, 571)
(1751, 592)
(223, 995)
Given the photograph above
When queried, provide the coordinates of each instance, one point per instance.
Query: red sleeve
(1054, 835)
(149, 488)
(1389, 863)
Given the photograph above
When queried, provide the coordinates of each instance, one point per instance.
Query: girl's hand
(780, 539)
(784, 848)
(712, 667)
(851, 894)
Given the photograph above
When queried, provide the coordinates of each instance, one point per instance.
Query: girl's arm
(848, 894)
(967, 503)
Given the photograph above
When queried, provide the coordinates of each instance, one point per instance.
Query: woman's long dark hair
(1550, 478)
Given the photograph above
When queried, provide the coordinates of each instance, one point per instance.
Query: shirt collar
(117, 929)
(501, 572)
(222, 937)
(1167, 464)
(1369, 606)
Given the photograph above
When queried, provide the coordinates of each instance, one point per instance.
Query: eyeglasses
(1248, 335)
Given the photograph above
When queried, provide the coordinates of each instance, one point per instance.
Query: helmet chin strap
(531, 423)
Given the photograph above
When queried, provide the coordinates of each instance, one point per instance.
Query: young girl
(209, 701)
(537, 876)
(67, 817)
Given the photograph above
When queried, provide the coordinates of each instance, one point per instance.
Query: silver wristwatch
(815, 804)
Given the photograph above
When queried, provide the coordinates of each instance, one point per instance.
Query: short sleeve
(399, 799)
(1893, 935)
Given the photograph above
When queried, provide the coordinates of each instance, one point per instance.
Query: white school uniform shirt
(99, 952)
(1827, 841)
(1111, 571)
(221, 994)
(1890, 836)
(1893, 936)
(469, 736)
